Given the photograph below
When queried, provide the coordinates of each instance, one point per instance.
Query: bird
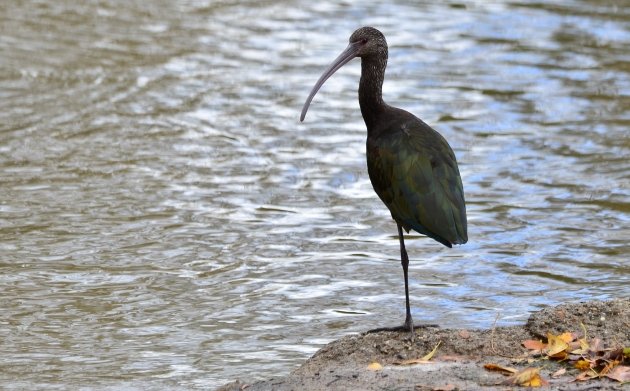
(411, 166)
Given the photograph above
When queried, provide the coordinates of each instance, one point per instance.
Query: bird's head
(366, 42)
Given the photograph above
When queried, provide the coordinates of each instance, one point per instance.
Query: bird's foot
(404, 327)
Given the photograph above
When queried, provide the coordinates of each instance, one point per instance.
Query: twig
(492, 346)
(494, 326)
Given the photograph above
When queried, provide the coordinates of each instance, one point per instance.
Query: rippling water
(167, 223)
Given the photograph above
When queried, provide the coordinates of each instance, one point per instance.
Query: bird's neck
(371, 89)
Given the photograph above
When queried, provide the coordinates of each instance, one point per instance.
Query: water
(167, 223)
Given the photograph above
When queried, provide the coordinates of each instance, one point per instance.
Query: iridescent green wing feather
(417, 177)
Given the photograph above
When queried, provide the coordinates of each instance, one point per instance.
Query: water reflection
(168, 224)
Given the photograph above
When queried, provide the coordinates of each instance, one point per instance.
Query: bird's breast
(380, 169)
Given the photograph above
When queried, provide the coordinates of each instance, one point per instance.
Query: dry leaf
(431, 353)
(582, 364)
(422, 360)
(586, 375)
(588, 356)
(560, 356)
(559, 373)
(464, 334)
(529, 377)
(534, 345)
(608, 367)
(584, 346)
(500, 368)
(614, 355)
(596, 345)
(567, 337)
(374, 366)
(556, 345)
(620, 373)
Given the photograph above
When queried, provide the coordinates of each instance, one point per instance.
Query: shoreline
(459, 360)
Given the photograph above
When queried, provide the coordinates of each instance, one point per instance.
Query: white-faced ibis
(411, 166)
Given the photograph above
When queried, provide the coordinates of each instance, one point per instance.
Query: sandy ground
(458, 363)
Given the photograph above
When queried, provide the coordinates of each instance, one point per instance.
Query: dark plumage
(411, 166)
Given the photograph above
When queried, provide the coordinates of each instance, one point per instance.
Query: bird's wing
(424, 190)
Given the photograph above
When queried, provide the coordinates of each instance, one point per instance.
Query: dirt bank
(459, 361)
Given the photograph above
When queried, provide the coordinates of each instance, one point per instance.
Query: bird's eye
(364, 41)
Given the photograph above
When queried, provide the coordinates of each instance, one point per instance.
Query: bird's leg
(404, 260)
(408, 326)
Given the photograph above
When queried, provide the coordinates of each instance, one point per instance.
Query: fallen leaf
(567, 337)
(374, 366)
(582, 347)
(534, 345)
(500, 368)
(608, 368)
(586, 375)
(464, 334)
(556, 345)
(559, 373)
(620, 373)
(614, 355)
(596, 345)
(431, 353)
(528, 377)
(582, 364)
(422, 360)
(560, 356)
(583, 343)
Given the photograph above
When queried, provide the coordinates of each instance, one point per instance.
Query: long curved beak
(341, 60)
